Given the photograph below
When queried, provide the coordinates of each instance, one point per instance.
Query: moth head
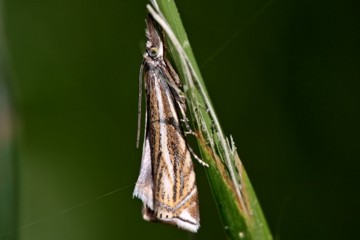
(154, 45)
(155, 52)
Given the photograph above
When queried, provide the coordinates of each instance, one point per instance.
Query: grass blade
(235, 198)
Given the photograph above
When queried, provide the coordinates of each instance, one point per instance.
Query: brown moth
(166, 183)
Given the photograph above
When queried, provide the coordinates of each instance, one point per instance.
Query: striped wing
(175, 192)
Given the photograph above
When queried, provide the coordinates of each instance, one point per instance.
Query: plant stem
(235, 198)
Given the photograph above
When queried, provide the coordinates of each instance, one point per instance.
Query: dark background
(283, 77)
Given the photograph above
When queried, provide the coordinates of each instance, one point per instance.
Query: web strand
(64, 211)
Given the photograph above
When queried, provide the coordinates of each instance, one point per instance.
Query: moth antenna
(139, 104)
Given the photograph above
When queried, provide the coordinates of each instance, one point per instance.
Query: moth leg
(197, 157)
(181, 107)
(185, 120)
(177, 93)
(172, 72)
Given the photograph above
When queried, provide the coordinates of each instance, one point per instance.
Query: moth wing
(176, 199)
(186, 215)
(144, 185)
(172, 80)
(182, 210)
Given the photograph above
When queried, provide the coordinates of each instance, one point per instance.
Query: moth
(166, 183)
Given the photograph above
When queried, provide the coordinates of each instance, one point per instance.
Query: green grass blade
(235, 198)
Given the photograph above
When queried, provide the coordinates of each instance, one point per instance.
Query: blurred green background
(283, 77)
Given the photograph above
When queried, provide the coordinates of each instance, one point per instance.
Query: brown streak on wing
(172, 186)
